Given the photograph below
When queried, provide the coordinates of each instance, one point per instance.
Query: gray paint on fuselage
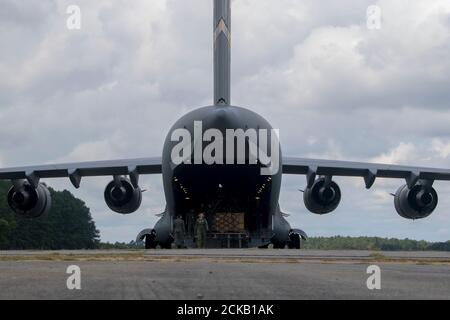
(221, 118)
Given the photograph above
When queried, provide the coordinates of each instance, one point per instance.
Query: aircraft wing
(75, 171)
(368, 171)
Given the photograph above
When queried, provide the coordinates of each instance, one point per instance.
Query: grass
(378, 256)
(155, 257)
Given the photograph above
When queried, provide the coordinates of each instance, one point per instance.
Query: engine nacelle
(415, 203)
(323, 197)
(28, 201)
(122, 197)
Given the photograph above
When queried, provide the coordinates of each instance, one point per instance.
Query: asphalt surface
(224, 274)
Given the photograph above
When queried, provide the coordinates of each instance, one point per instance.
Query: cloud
(440, 147)
(97, 150)
(403, 153)
(312, 68)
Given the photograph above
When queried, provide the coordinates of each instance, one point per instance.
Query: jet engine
(122, 197)
(29, 202)
(323, 196)
(417, 202)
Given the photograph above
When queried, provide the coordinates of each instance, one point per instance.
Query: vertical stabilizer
(222, 51)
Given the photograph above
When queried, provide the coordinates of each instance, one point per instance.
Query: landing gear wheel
(150, 244)
(294, 241)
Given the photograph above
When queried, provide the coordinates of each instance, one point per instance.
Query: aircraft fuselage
(227, 188)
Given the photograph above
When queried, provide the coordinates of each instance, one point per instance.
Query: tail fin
(222, 51)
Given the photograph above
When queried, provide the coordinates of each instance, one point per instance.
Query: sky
(335, 87)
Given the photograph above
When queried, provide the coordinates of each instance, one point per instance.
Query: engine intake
(323, 197)
(122, 197)
(415, 203)
(29, 202)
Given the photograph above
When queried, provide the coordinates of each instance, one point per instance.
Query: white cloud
(440, 147)
(403, 153)
(98, 150)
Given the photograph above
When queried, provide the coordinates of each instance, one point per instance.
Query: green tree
(373, 243)
(68, 225)
(4, 232)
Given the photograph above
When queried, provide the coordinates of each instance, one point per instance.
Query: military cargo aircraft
(226, 162)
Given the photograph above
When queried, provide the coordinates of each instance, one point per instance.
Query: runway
(224, 274)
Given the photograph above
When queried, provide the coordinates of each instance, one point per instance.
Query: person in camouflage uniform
(201, 229)
(178, 231)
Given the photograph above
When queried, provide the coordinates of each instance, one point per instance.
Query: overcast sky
(335, 88)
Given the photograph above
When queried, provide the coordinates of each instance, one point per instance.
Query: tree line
(373, 243)
(68, 225)
(338, 243)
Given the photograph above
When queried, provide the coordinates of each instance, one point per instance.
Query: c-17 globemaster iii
(224, 161)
